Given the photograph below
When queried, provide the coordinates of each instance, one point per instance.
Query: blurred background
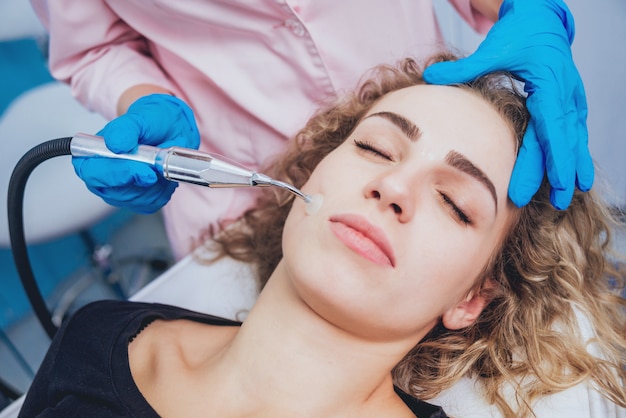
(82, 250)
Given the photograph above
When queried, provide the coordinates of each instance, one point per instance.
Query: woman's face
(415, 203)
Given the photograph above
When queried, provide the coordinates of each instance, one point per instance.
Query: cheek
(332, 167)
(329, 182)
(442, 268)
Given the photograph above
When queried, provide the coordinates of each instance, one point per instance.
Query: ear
(467, 311)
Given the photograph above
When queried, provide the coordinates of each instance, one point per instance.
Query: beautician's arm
(96, 52)
(131, 95)
(488, 8)
(108, 66)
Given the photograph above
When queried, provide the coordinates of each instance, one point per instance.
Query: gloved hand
(532, 41)
(160, 120)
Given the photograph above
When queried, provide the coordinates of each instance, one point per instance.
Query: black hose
(15, 211)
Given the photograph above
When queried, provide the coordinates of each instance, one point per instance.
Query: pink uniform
(252, 71)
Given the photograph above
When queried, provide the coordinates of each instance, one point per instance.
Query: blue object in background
(22, 67)
(52, 263)
(56, 262)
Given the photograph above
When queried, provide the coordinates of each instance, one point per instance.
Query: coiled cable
(15, 210)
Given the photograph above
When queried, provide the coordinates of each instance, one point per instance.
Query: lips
(362, 237)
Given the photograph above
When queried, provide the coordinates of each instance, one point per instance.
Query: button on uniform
(295, 27)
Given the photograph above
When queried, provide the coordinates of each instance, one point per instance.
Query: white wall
(600, 54)
(17, 20)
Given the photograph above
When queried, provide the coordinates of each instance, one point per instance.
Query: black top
(86, 372)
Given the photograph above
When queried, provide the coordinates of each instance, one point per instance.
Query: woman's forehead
(431, 98)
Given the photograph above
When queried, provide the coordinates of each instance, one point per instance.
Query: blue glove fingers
(561, 149)
(561, 198)
(584, 168)
(107, 172)
(528, 170)
(138, 199)
(585, 171)
(461, 71)
(125, 183)
(557, 102)
(557, 138)
(121, 135)
(163, 117)
(556, 141)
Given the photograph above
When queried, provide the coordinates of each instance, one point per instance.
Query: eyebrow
(453, 158)
(460, 162)
(406, 126)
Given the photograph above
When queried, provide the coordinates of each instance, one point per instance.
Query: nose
(394, 192)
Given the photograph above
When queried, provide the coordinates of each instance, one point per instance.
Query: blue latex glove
(532, 41)
(160, 120)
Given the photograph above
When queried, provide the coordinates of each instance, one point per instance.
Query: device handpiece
(182, 164)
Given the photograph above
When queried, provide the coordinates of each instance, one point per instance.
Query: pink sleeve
(474, 18)
(94, 51)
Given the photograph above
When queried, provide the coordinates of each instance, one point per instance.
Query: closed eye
(458, 213)
(369, 148)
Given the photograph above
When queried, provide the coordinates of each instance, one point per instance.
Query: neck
(285, 352)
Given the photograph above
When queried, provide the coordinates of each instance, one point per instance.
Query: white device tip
(314, 204)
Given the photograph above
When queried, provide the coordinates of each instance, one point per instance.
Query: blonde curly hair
(552, 266)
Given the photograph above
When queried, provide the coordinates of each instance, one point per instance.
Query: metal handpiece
(182, 164)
